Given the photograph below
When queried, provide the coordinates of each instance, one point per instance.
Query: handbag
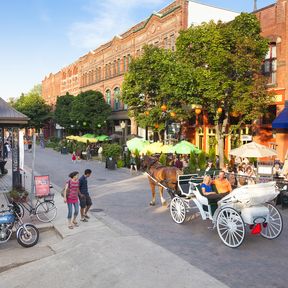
(68, 190)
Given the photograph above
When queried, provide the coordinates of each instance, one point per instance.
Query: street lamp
(123, 126)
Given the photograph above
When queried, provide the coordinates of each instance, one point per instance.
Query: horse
(167, 176)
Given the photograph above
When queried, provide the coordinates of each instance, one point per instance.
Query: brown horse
(167, 176)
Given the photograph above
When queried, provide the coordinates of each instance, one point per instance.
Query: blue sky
(41, 36)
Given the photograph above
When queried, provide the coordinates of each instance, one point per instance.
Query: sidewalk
(103, 253)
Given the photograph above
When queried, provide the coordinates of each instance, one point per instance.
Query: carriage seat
(184, 186)
(203, 200)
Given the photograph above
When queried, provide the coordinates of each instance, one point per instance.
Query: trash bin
(64, 150)
(110, 163)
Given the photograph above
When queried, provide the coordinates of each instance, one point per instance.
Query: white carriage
(244, 208)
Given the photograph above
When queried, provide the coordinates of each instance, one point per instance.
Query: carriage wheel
(273, 228)
(178, 210)
(230, 227)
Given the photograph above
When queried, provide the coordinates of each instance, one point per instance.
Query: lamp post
(123, 126)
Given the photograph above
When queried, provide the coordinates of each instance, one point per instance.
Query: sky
(39, 37)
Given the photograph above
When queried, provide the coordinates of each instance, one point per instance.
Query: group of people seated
(221, 184)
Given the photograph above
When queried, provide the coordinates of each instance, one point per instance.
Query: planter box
(111, 163)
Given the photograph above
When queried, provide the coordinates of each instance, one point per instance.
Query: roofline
(259, 10)
(209, 5)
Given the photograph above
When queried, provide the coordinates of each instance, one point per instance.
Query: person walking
(71, 193)
(85, 200)
(73, 157)
(133, 164)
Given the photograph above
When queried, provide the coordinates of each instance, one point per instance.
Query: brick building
(274, 24)
(103, 68)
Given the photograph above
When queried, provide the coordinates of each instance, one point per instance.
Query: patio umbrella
(102, 138)
(253, 149)
(136, 144)
(167, 149)
(71, 137)
(88, 135)
(185, 147)
(153, 148)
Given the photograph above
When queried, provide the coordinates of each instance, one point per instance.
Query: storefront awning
(281, 121)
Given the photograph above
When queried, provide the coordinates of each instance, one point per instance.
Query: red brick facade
(103, 69)
(274, 26)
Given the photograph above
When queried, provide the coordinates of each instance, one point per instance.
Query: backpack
(68, 190)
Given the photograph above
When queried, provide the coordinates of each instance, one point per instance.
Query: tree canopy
(145, 89)
(62, 110)
(226, 63)
(226, 60)
(89, 111)
(216, 66)
(34, 106)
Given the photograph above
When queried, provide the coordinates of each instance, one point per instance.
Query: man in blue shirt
(85, 200)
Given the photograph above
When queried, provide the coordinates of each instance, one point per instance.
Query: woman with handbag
(71, 193)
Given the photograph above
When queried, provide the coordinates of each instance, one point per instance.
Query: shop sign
(42, 185)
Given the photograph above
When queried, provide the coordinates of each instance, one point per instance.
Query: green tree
(34, 106)
(62, 111)
(224, 64)
(89, 111)
(145, 88)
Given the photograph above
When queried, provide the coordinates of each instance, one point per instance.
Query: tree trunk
(220, 132)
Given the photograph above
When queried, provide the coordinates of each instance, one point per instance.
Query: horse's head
(148, 161)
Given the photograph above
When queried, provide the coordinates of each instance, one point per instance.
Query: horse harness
(164, 181)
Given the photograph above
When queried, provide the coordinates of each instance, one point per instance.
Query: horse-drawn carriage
(244, 208)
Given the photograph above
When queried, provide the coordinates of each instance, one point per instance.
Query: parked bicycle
(44, 209)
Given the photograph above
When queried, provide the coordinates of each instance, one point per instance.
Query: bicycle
(44, 208)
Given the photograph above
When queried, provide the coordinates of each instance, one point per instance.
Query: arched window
(108, 96)
(116, 98)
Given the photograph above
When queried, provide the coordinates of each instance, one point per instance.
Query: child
(133, 163)
(74, 157)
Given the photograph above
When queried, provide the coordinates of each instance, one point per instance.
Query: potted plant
(18, 194)
(112, 153)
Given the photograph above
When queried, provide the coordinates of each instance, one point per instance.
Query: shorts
(85, 201)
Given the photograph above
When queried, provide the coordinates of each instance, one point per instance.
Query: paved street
(124, 200)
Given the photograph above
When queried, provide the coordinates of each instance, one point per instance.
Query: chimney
(255, 5)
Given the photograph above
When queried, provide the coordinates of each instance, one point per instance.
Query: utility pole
(255, 5)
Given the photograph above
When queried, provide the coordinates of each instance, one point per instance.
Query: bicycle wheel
(46, 211)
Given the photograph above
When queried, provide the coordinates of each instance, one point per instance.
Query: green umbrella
(185, 147)
(88, 135)
(136, 144)
(102, 138)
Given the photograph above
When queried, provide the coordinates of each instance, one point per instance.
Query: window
(96, 75)
(116, 98)
(108, 97)
(106, 71)
(114, 68)
(109, 70)
(166, 43)
(118, 66)
(172, 42)
(269, 67)
(124, 64)
(99, 76)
